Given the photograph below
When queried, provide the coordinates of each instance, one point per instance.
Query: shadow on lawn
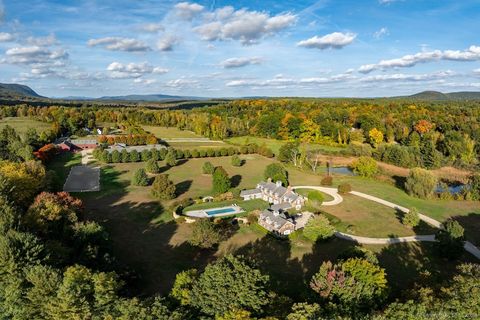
(183, 187)
(410, 263)
(235, 180)
(156, 252)
(471, 224)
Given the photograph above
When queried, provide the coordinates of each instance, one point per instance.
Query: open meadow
(21, 125)
(146, 237)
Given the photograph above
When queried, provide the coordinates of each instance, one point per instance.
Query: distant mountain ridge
(13, 90)
(436, 95)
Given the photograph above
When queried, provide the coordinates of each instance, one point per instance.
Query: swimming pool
(220, 211)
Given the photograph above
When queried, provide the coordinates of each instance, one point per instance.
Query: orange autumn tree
(423, 126)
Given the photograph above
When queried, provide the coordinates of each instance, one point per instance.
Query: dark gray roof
(138, 148)
(275, 220)
(281, 206)
(84, 141)
(249, 192)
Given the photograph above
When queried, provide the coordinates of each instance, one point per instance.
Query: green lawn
(22, 124)
(172, 132)
(362, 217)
(61, 165)
(274, 144)
(145, 238)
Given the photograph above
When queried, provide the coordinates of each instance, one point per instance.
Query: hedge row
(135, 156)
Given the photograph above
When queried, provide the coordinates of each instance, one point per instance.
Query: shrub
(365, 167)
(134, 156)
(359, 149)
(152, 166)
(163, 188)
(318, 228)
(208, 168)
(276, 172)
(171, 158)
(327, 181)
(125, 156)
(420, 183)
(236, 161)
(146, 155)
(195, 153)
(205, 234)
(140, 178)
(221, 180)
(450, 239)
(315, 198)
(116, 156)
(344, 188)
(411, 218)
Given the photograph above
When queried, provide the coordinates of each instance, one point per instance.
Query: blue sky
(240, 48)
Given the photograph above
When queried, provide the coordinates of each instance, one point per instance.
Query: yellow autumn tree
(376, 137)
(27, 179)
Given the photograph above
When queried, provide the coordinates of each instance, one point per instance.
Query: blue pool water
(219, 211)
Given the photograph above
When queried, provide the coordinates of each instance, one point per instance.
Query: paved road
(366, 240)
(468, 246)
(330, 191)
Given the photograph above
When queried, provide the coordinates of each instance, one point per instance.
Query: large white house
(281, 197)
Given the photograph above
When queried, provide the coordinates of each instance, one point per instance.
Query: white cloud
(240, 62)
(381, 33)
(477, 71)
(166, 43)
(280, 81)
(188, 11)
(410, 77)
(335, 40)
(6, 37)
(248, 27)
(145, 81)
(42, 41)
(119, 44)
(182, 83)
(35, 55)
(119, 70)
(470, 54)
(151, 27)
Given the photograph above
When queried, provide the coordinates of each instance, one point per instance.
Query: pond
(453, 189)
(340, 170)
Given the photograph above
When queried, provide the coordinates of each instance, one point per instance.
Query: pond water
(453, 189)
(341, 170)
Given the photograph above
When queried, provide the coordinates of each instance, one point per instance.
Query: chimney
(279, 183)
(269, 180)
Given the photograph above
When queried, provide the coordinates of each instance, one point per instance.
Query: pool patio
(215, 212)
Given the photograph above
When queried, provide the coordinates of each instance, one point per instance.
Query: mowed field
(172, 132)
(21, 125)
(274, 144)
(145, 237)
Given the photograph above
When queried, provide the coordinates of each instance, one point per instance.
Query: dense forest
(402, 132)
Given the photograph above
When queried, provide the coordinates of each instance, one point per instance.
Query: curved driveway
(468, 246)
(330, 191)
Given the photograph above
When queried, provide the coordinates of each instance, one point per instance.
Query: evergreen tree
(163, 188)
(152, 166)
(221, 180)
(140, 178)
(171, 158)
